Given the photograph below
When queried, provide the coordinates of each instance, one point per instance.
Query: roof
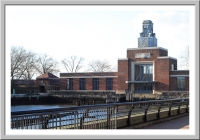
(89, 74)
(145, 48)
(55, 82)
(47, 75)
(23, 82)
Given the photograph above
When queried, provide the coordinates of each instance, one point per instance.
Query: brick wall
(115, 83)
(102, 83)
(122, 75)
(173, 83)
(154, 53)
(75, 83)
(162, 75)
(88, 83)
(63, 83)
(187, 84)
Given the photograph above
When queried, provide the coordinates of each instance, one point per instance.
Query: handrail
(100, 116)
(90, 106)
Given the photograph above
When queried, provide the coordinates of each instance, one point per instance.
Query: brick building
(146, 69)
(42, 84)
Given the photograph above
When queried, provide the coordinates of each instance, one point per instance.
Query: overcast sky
(95, 32)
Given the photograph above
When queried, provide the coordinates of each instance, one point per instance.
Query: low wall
(139, 121)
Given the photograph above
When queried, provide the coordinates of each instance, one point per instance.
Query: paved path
(179, 123)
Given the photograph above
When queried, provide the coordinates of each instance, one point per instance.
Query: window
(82, 83)
(143, 87)
(109, 83)
(181, 83)
(95, 84)
(144, 72)
(69, 84)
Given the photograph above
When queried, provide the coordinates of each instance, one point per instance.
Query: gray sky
(95, 32)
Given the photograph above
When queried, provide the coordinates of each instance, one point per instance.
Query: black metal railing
(102, 116)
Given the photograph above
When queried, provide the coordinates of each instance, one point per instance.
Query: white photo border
(5, 80)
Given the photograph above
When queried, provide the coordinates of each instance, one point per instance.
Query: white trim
(135, 82)
(179, 75)
(122, 58)
(89, 77)
(86, 72)
(179, 70)
(144, 48)
(143, 62)
(164, 57)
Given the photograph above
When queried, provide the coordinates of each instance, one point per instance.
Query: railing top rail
(91, 106)
(59, 109)
(150, 101)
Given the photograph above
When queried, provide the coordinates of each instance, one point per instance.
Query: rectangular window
(109, 83)
(70, 84)
(95, 84)
(82, 84)
(144, 72)
(143, 88)
(181, 83)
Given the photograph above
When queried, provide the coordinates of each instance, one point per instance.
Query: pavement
(178, 123)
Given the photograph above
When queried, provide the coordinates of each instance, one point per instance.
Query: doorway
(42, 89)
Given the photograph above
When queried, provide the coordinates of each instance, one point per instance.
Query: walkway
(178, 123)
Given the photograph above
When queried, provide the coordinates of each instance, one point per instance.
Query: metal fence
(104, 116)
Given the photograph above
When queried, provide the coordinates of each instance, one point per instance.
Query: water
(36, 107)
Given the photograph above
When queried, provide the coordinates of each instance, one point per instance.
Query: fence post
(159, 108)
(187, 110)
(170, 106)
(108, 117)
(145, 114)
(179, 108)
(129, 115)
(75, 120)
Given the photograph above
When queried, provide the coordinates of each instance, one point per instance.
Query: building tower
(147, 37)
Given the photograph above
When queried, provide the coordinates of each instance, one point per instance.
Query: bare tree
(73, 64)
(101, 66)
(17, 58)
(46, 64)
(184, 57)
(29, 66)
(22, 63)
